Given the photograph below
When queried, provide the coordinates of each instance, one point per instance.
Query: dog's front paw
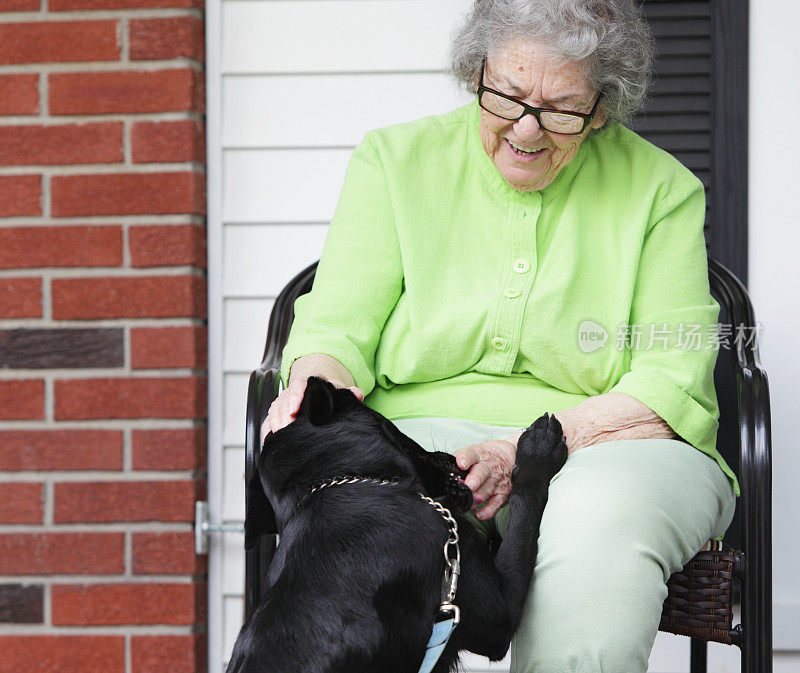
(542, 449)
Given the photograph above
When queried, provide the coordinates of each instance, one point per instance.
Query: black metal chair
(701, 596)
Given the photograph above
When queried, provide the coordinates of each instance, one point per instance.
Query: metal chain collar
(339, 481)
(452, 553)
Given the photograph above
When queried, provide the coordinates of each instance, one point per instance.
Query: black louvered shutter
(698, 110)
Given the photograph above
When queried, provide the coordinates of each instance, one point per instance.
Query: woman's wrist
(321, 365)
(514, 438)
(576, 428)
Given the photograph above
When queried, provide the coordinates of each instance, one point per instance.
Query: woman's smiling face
(524, 70)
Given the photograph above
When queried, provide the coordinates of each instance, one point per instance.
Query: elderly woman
(528, 253)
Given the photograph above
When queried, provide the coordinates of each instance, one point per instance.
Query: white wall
(774, 276)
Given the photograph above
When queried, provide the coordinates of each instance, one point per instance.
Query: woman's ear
(600, 117)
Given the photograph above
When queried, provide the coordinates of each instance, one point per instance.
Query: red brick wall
(102, 335)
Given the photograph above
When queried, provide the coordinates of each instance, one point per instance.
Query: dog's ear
(444, 480)
(260, 516)
(317, 402)
(439, 473)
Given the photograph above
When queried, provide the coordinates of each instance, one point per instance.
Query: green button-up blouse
(446, 292)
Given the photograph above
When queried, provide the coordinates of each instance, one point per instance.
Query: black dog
(356, 581)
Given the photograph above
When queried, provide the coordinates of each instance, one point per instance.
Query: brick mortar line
(58, 273)
(91, 67)
(49, 400)
(123, 33)
(49, 580)
(102, 527)
(127, 349)
(49, 503)
(127, 554)
(46, 200)
(95, 578)
(127, 451)
(100, 324)
(36, 120)
(106, 476)
(47, 296)
(127, 561)
(47, 612)
(44, 96)
(128, 656)
(127, 142)
(113, 424)
(60, 578)
(101, 630)
(42, 16)
(107, 219)
(48, 480)
(107, 424)
(119, 168)
(126, 246)
(65, 529)
(101, 373)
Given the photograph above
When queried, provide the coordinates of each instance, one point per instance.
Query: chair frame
(754, 634)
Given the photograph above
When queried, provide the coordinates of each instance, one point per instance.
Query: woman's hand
(284, 408)
(490, 465)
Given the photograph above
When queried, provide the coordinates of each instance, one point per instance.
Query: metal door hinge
(202, 527)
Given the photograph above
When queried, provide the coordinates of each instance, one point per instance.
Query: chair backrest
(728, 438)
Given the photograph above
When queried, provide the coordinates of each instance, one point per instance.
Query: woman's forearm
(607, 417)
(324, 366)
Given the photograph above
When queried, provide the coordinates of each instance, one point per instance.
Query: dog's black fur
(356, 581)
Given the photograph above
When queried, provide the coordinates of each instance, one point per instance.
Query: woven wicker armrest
(699, 602)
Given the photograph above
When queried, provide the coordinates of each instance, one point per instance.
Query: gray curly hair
(611, 35)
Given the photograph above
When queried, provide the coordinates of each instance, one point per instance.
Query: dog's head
(335, 435)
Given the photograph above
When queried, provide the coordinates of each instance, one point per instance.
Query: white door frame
(215, 323)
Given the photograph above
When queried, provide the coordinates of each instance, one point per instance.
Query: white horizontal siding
(337, 36)
(234, 403)
(233, 608)
(233, 509)
(299, 185)
(245, 329)
(333, 110)
(260, 260)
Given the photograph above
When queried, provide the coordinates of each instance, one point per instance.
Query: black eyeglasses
(555, 121)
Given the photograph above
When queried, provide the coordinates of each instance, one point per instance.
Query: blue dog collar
(440, 636)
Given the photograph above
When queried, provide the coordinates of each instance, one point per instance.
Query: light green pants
(621, 517)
